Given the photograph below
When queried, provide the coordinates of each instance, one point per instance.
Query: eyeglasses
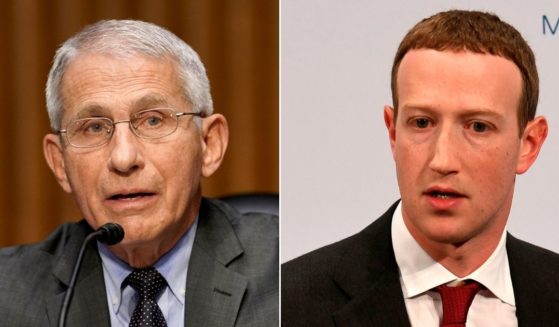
(147, 124)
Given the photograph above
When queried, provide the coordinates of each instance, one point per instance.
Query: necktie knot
(147, 282)
(456, 302)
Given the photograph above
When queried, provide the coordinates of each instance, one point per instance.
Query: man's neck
(462, 258)
(147, 253)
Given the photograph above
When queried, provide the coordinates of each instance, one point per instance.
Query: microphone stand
(110, 234)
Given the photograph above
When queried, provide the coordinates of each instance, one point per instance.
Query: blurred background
(336, 59)
(236, 39)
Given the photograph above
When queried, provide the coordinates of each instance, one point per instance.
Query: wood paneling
(237, 41)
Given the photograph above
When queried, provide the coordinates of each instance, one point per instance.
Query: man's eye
(153, 121)
(479, 127)
(93, 127)
(149, 120)
(422, 122)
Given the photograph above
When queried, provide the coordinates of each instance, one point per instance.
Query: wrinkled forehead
(92, 82)
(104, 60)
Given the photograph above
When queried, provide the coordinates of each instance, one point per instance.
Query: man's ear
(390, 123)
(215, 133)
(52, 149)
(531, 142)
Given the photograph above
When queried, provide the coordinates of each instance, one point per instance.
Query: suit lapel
(213, 291)
(368, 275)
(375, 306)
(89, 305)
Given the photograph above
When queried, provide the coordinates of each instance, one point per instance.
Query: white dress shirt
(419, 274)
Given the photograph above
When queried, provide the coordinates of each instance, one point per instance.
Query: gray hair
(125, 38)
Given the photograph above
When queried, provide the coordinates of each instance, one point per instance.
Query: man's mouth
(444, 195)
(130, 196)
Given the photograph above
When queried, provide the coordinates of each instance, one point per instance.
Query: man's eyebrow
(415, 107)
(482, 112)
(92, 110)
(466, 112)
(148, 101)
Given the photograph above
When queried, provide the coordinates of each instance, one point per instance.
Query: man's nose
(446, 149)
(125, 149)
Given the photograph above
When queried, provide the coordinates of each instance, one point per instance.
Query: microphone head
(110, 233)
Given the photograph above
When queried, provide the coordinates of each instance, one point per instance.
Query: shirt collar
(419, 273)
(173, 266)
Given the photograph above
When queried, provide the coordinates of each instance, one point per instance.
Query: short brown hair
(478, 32)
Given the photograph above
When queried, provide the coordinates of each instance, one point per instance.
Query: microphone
(110, 234)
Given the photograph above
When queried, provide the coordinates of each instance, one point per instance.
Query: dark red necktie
(456, 303)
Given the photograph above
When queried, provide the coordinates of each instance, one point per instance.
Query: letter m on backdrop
(548, 26)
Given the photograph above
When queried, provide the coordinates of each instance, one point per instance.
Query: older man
(134, 134)
(462, 126)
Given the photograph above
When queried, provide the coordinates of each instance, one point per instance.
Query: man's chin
(133, 239)
(445, 236)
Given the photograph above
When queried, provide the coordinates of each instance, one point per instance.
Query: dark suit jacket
(232, 275)
(355, 282)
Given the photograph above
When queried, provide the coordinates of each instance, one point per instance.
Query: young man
(463, 125)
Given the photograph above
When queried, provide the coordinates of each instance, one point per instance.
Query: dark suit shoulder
(319, 283)
(26, 272)
(532, 254)
(247, 244)
(315, 267)
(258, 235)
(531, 262)
(252, 229)
(19, 258)
(309, 292)
(373, 241)
(535, 278)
